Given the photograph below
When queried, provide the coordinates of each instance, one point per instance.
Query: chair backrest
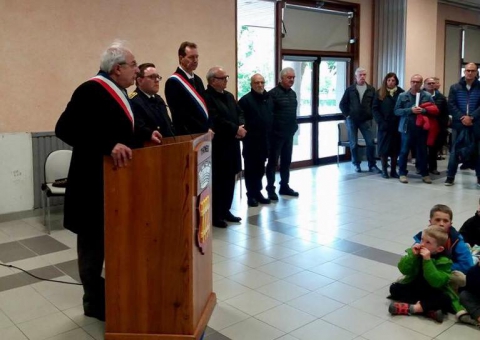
(342, 133)
(57, 165)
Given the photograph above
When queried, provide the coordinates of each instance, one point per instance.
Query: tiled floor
(309, 268)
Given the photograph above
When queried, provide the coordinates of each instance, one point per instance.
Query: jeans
(367, 132)
(415, 139)
(453, 161)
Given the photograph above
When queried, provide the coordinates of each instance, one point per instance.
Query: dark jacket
(442, 104)
(92, 123)
(284, 111)
(383, 111)
(226, 117)
(458, 99)
(351, 107)
(470, 230)
(151, 113)
(258, 112)
(473, 280)
(186, 115)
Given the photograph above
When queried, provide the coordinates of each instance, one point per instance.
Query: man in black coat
(185, 94)
(97, 122)
(284, 128)
(257, 107)
(148, 107)
(356, 106)
(228, 126)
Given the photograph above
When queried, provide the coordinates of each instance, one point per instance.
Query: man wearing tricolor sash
(185, 94)
(98, 121)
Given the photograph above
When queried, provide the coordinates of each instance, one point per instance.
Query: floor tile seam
(342, 328)
(293, 330)
(430, 320)
(413, 330)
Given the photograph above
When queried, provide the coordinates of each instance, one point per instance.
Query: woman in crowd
(388, 137)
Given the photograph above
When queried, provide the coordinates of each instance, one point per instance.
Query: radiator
(43, 143)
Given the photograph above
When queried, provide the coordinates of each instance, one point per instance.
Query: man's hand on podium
(121, 155)
(156, 137)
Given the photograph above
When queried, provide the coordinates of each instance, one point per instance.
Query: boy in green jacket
(425, 288)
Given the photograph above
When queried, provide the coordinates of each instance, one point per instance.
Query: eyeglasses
(415, 82)
(222, 78)
(133, 64)
(470, 70)
(431, 83)
(153, 77)
(259, 82)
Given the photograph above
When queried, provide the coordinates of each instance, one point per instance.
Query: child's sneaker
(436, 315)
(465, 318)
(399, 308)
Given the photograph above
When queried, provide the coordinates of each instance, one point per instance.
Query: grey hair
(115, 54)
(360, 69)
(211, 73)
(285, 71)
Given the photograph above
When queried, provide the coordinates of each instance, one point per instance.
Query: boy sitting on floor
(425, 289)
(470, 296)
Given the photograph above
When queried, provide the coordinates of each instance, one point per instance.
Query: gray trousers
(472, 303)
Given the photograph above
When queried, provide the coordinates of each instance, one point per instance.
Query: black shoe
(231, 218)
(262, 200)
(435, 172)
(288, 192)
(464, 166)
(385, 174)
(449, 181)
(97, 314)
(219, 223)
(273, 196)
(358, 168)
(252, 202)
(374, 169)
(394, 174)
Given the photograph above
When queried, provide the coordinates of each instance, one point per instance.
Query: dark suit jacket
(92, 123)
(226, 117)
(187, 117)
(151, 113)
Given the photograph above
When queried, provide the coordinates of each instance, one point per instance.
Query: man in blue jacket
(464, 107)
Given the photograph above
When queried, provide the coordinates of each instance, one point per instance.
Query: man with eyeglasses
(412, 106)
(464, 107)
(284, 127)
(437, 135)
(98, 121)
(257, 106)
(148, 107)
(185, 94)
(228, 125)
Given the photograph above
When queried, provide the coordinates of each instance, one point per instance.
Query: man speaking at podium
(97, 122)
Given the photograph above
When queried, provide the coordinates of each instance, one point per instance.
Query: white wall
(16, 172)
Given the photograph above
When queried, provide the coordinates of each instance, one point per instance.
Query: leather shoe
(219, 223)
(261, 199)
(288, 192)
(252, 202)
(358, 168)
(435, 172)
(394, 174)
(273, 196)
(97, 314)
(231, 218)
(374, 169)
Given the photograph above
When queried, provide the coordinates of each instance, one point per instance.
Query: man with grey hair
(284, 128)
(257, 106)
(228, 125)
(356, 106)
(97, 122)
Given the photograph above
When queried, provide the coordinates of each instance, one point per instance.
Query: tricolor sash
(192, 92)
(117, 94)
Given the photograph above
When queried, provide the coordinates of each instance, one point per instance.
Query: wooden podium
(158, 242)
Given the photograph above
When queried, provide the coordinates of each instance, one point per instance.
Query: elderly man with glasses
(228, 125)
(148, 107)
